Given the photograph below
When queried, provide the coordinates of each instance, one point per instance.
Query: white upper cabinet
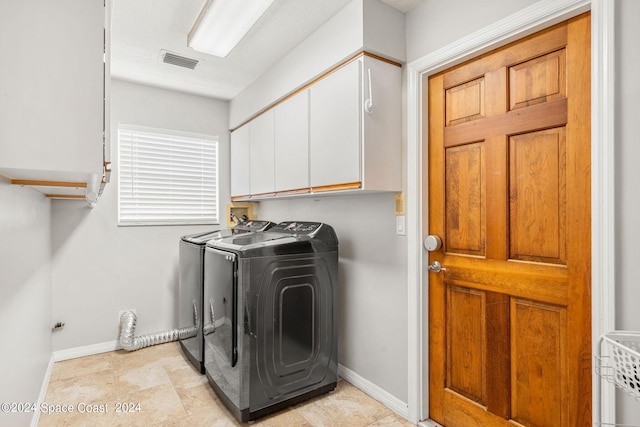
(261, 154)
(335, 127)
(252, 157)
(292, 143)
(339, 132)
(240, 162)
(381, 115)
(355, 127)
(53, 90)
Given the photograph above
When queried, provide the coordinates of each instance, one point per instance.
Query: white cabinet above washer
(340, 132)
(292, 143)
(335, 127)
(355, 127)
(261, 154)
(240, 162)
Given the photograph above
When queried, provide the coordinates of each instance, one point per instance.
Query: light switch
(400, 226)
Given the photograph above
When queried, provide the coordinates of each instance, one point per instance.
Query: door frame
(536, 17)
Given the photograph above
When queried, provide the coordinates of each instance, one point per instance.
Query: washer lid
(281, 234)
(203, 237)
(252, 241)
(245, 227)
(254, 225)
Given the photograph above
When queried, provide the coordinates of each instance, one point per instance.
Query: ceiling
(142, 29)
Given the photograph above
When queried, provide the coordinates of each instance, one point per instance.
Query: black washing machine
(190, 285)
(271, 334)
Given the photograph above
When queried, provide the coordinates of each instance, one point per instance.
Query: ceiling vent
(180, 61)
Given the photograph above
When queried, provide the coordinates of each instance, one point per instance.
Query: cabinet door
(51, 106)
(261, 153)
(382, 127)
(240, 162)
(335, 127)
(292, 143)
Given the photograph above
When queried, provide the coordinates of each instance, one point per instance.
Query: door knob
(436, 267)
(432, 243)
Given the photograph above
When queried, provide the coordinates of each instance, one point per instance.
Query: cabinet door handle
(368, 104)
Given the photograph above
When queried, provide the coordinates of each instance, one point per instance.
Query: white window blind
(166, 177)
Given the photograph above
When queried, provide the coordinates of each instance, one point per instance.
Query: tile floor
(170, 392)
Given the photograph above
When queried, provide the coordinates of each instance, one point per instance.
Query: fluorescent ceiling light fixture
(223, 23)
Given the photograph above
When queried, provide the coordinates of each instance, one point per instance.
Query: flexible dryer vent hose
(130, 342)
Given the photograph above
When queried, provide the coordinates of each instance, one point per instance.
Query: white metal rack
(619, 364)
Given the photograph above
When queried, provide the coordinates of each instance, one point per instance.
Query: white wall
(100, 268)
(627, 178)
(25, 296)
(383, 30)
(437, 23)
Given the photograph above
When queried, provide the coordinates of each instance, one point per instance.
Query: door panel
(465, 338)
(539, 80)
(509, 192)
(465, 102)
(537, 194)
(465, 206)
(538, 351)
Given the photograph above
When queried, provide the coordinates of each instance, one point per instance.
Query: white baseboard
(428, 423)
(87, 350)
(43, 392)
(396, 405)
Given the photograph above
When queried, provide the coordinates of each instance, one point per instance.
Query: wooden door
(509, 194)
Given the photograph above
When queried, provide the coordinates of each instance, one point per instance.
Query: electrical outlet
(122, 311)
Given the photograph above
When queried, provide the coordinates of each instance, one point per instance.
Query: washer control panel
(253, 225)
(296, 227)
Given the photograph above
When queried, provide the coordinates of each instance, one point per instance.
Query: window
(166, 177)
